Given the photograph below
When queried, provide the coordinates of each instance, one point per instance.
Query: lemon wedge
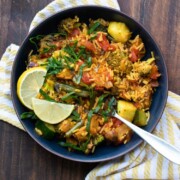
(29, 84)
(51, 112)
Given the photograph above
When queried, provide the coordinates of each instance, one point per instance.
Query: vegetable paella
(95, 66)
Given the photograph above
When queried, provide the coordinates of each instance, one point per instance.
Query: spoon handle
(167, 150)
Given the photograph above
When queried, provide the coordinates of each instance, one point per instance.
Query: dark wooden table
(20, 156)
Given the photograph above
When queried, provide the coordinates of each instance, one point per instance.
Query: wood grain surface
(23, 159)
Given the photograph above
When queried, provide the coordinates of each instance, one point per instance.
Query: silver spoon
(167, 150)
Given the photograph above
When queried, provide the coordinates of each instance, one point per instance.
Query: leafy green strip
(36, 38)
(77, 77)
(89, 61)
(82, 52)
(92, 95)
(68, 61)
(68, 96)
(75, 53)
(75, 116)
(93, 27)
(71, 51)
(111, 103)
(91, 112)
(79, 124)
(110, 109)
(30, 115)
(66, 144)
(89, 116)
(84, 145)
(100, 102)
(54, 66)
(82, 148)
(46, 96)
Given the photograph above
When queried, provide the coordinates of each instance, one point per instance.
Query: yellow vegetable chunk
(119, 31)
(126, 110)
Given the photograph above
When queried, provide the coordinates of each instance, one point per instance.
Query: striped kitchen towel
(141, 163)
(144, 162)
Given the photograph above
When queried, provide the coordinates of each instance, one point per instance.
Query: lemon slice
(29, 84)
(51, 112)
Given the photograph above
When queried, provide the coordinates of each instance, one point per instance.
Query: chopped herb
(77, 77)
(70, 145)
(89, 116)
(30, 115)
(93, 27)
(71, 51)
(74, 55)
(75, 116)
(68, 61)
(110, 109)
(68, 96)
(89, 61)
(112, 102)
(70, 132)
(84, 145)
(82, 148)
(54, 66)
(81, 52)
(96, 110)
(105, 115)
(100, 102)
(92, 97)
(34, 40)
(46, 96)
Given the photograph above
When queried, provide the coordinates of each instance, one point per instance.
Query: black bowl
(49, 25)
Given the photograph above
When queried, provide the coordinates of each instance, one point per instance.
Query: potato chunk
(119, 31)
(126, 110)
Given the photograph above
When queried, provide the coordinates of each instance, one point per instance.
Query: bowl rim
(70, 157)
